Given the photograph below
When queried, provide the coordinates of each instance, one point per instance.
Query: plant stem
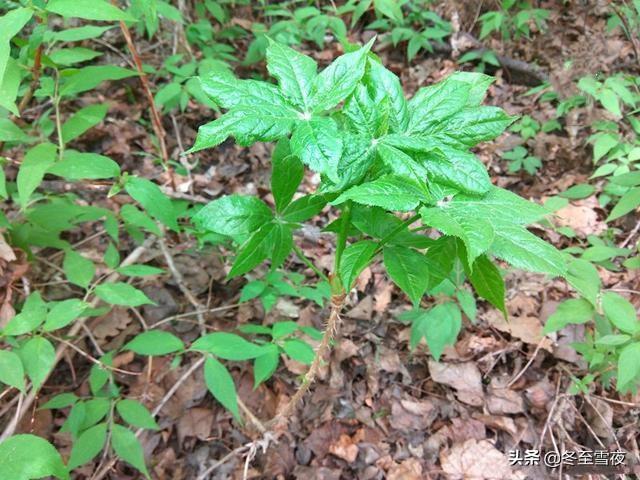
(309, 263)
(56, 104)
(396, 231)
(345, 220)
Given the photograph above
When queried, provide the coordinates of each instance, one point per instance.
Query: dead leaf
(600, 417)
(409, 469)
(6, 252)
(475, 459)
(196, 422)
(344, 448)
(464, 377)
(528, 329)
(582, 217)
(501, 401)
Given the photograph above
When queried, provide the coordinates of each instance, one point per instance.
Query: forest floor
(378, 410)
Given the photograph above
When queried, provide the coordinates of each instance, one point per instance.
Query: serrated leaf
(304, 208)
(382, 83)
(318, 143)
(84, 166)
(154, 342)
(233, 215)
(286, 176)
(377, 223)
(488, 283)
(354, 259)
(294, 71)
(149, 195)
(282, 244)
(436, 103)
(119, 293)
(88, 445)
(254, 251)
(227, 346)
(25, 457)
(389, 192)
(362, 111)
(470, 126)
(220, 384)
(128, 448)
(11, 370)
(136, 414)
(338, 80)
(408, 269)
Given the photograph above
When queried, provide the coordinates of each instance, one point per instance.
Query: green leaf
(628, 366)
(63, 313)
(84, 166)
(220, 384)
(363, 112)
(294, 71)
(227, 346)
(467, 302)
(26, 457)
(523, 249)
(304, 208)
(88, 445)
(78, 269)
(377, 223)
(408, 269)
(71, 56)
(389, 192)
(488, 283)
(36, 162)
(613, 340)
(479, 83)
(140, 270)
(382, 84)
(620, 312)
(119, 293)
(88, 78)
(458, 169)
(233, 215)
(282, 245)
(299, 351)
(254, 251)
(136, 414)
(128, 448)
(573, 311)
(628, 202)
(30, 317)
(89, 10)
(471, 126)
(584, 277)
(318, 143)
(11, 370)
(266, 364)
(477, 234)
(149, 195)
(61, 400)
(38, 357)
(577, 192)
(76, 34)
(10, 25)
(10, 132)
(83, 120)
(155, 342)
(433, 104)
(439, 325)
(287, 174)
(338, 80)
(354, 259)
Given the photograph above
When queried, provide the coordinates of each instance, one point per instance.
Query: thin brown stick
(337, 302)
(156, 120)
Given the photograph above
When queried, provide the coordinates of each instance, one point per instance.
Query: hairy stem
(343, 233)
(337, 302)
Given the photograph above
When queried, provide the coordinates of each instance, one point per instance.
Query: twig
(194, 313)
(156, 121)
(73, 331)
(179, 279)
(252, 418)
(628, 238)
(249, 448)
(533, 356)
(337, 302)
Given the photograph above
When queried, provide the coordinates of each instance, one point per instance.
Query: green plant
(519, 159)
(418, 26)
(514, 18)
(378, 154)
(482, 57)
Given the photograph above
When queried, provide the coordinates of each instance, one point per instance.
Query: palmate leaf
(294, 71)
